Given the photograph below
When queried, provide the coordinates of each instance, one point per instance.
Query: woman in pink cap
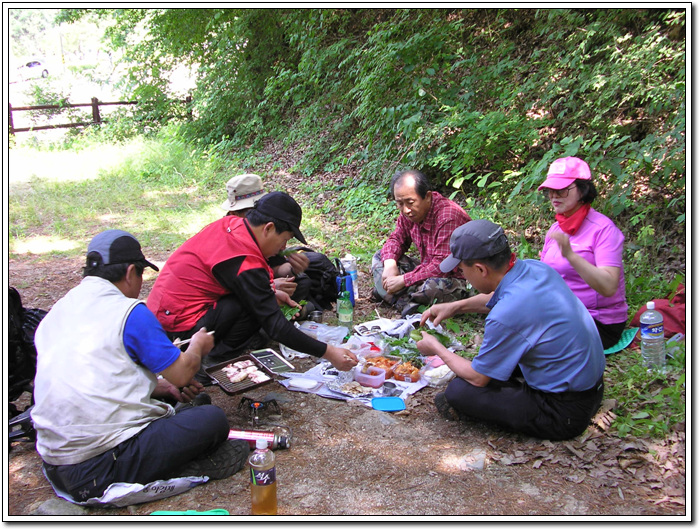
(585, 247)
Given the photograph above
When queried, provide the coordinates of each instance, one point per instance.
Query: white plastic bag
(439, 376)
(122, 494)
(329, 334)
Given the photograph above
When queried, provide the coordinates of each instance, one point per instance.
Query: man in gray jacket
(104, 367)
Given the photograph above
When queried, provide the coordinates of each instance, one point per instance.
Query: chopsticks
(179, 342)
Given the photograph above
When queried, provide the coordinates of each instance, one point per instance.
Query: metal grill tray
(220, 377)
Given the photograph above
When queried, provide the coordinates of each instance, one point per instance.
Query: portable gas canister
(273, 439)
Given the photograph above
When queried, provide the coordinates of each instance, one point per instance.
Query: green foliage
(485, 99)
(360, 208)
(30, 31)
(650, 402)
(49, 94)
(289, 311)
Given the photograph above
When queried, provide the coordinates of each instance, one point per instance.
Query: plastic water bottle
(344, 308)
(263, 480)
(350, 264)
(653, 342)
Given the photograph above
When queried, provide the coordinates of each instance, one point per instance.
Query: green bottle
(345, 310)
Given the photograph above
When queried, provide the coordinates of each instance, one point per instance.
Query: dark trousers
(303, 290)
(610, 334)
(516, 407)
(233, 326)
(158, 452)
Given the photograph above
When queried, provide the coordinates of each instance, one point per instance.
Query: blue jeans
(158, 452)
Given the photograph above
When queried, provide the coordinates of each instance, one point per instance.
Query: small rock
(475, 460)
(59, 507)
(387, 419)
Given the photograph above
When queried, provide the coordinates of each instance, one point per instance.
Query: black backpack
(22, 323)
(323, 274)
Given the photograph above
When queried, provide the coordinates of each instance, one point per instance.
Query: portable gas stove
(257, 406)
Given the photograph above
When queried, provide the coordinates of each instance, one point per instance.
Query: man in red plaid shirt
(427, 220)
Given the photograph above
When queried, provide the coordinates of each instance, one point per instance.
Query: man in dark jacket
(220, 279)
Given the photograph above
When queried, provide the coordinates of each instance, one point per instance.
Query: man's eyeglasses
(561, 194)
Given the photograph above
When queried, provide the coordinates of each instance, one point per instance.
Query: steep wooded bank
(483, 100)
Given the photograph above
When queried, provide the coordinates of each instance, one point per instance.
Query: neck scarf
(571, 224)
(512, 262)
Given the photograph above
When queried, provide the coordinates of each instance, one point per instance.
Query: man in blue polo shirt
(540, 367)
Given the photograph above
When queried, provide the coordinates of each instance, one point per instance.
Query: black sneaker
(227, 459)
(444, 408)
(257, 341)
(410, 308)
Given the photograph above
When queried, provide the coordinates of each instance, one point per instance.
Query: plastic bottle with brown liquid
(263, 480)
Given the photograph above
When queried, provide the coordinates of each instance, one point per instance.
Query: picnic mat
(626, 339)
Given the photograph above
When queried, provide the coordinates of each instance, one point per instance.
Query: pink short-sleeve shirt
(599, 242)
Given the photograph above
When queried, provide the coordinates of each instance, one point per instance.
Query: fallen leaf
(578, 453)
(675, 500)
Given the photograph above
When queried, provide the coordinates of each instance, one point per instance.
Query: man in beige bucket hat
(243, 191)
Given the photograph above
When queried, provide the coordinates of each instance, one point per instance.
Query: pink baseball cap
(564, 171)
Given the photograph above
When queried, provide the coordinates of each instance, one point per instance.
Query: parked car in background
(32, 69)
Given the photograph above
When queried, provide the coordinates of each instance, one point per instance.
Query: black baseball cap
(282, 207)
(118, 246)
(477, 239)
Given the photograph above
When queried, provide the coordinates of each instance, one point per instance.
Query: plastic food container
(384, 362)
(388, 404)
(407, 373)
(308, 385)
(373, 378)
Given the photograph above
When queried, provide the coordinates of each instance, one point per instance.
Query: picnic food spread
(382, 362)
(389, 364)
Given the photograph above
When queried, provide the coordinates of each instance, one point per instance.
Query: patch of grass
(650, 402)
(360, 210)
(163, 191)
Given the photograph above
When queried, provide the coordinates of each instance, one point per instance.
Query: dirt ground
(348, 460)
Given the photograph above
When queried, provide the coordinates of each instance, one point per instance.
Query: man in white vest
(105, 369)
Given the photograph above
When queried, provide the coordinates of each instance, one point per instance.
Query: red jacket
(186, 287)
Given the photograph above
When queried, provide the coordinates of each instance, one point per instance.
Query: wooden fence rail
(94, 103)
